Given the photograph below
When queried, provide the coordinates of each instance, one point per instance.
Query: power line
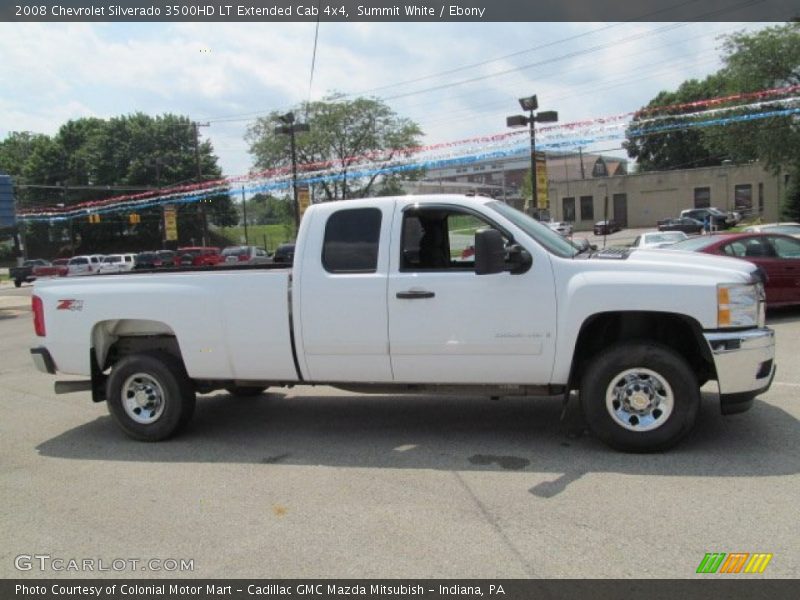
(313, 58)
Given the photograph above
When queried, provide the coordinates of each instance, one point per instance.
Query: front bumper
(745, 365)
(43, 361)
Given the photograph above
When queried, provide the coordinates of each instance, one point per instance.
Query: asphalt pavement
(314, 482)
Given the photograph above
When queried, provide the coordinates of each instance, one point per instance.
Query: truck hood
(682, 261)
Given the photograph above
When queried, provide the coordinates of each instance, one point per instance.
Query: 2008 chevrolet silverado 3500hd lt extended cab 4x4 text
(381, 298)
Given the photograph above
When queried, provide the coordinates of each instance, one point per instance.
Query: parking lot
(317, 482)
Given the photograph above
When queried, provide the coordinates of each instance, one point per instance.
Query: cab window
(439, 239)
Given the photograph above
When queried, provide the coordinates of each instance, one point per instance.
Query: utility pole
(244, 211)
(290, 128)
(196, 127)
(71, 228)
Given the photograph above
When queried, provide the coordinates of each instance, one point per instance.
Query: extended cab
(382, 296)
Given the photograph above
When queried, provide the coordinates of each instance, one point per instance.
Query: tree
(136, 151)
(769, 58)
(752, 61)
(341, 131)
(656, 149)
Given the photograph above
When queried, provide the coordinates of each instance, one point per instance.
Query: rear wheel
(150, 396)
(17, 283)
(640, 397)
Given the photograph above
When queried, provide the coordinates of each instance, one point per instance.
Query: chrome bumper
(744, 360)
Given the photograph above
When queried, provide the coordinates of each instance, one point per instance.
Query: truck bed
(229, 322)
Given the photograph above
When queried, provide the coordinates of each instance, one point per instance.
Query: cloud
(206, 71)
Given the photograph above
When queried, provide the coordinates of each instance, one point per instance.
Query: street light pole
(530, 104)
(289, 128)
(534, 178)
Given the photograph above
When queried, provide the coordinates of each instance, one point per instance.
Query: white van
(117, 263)
(84, 265)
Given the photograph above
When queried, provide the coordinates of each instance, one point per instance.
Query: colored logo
(735, 562)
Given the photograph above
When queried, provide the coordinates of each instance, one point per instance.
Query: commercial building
(641, 199)
(585, 187)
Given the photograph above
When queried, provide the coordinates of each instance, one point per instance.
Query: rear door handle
(415, 294)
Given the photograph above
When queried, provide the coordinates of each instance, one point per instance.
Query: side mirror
(490, 252)
(520, 259)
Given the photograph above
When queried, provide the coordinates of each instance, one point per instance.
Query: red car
(778, 255)
(58, 268)
(200, 256)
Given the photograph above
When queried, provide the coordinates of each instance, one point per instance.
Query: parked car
(583, 245)
(684, 224)
(58, 268)
(117, 263)
(792, 229)
(284, 254)
(84, 265)
(658, 239)
(560, 227)
(200, 256)
(245, 255)
(718, 219)
(24, 273)
(606, 227)
(777, 255)
(167, 259)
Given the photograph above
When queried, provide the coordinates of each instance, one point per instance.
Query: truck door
(340, 288)
(449, 325)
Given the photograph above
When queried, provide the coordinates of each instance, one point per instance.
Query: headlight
(738, 305)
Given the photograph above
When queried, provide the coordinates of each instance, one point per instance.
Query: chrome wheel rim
(639, 400)
(143, 398)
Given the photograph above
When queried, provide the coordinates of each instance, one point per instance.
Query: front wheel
(150, 396)
(640, 397)
(17, 283)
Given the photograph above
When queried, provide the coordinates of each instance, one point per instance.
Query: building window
(569, 209)
(760, 197)
(743, 197)
(702, 197)
(351, 241)
(587, 208)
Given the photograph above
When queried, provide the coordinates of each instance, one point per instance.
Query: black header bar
(398, 10)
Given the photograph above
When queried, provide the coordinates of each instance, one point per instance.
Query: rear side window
(351, 241)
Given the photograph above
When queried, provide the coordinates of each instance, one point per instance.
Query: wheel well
(112, 340)
(682, 334)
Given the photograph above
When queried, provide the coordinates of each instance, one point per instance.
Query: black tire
(658, 372)
(176, 393)
(17, 283)
(245, 391)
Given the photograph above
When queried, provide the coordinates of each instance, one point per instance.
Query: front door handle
(415, 294)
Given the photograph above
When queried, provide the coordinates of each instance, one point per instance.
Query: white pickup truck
(422, 294)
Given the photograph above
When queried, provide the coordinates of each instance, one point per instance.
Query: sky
(227, 74)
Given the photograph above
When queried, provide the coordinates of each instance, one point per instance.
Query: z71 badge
(70, 305)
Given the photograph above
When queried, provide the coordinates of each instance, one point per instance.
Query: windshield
(539, 232)
(660, 238)
(787, 229)
(697, 243)
(236, 251)
(112, 259)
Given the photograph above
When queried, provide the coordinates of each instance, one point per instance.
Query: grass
(268, 237)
